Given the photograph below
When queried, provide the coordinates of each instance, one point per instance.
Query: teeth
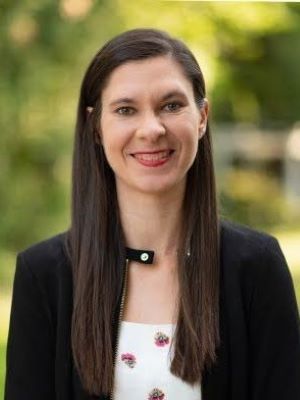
(153, 157)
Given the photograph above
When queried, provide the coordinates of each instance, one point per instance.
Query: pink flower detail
(129, 359)
(156, 394)
(161, 339)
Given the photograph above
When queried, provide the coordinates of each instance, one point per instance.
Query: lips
(153, 156)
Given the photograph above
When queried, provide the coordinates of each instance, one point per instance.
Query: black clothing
(259, 356)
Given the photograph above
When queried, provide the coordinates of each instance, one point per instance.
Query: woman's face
(150, 125)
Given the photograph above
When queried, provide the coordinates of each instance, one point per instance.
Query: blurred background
(250, 56)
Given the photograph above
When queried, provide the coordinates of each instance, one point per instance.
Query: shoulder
(245, 235)
(43, 280)
(46, 259)
(245, 242)
(250, 257)
(254, 269)
(52, 247)
(249, 253)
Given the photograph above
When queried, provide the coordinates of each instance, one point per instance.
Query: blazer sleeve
(274, 330)
(30, 347)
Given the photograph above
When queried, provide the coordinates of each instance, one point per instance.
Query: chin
(157, 187)
(152, 185)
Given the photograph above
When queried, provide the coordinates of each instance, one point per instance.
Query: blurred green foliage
(2, 368)
(247, 196)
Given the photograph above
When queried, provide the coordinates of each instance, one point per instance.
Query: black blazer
(259, 356)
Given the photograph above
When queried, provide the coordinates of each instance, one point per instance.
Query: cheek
(187, 135)
(186, 131)
(114, 138)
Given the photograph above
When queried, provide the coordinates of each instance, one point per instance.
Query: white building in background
(292, 165)
(277, 152)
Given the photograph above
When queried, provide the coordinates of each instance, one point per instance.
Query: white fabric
(145, 365)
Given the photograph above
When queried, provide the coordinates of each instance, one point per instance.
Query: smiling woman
(141, 131)
(150, 294)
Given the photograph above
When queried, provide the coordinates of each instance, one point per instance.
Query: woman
(149, 294)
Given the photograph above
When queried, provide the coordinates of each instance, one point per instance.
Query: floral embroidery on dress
(156, 394)
(161, 339)
(129, 359)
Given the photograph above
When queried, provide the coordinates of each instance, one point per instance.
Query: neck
(152, 221)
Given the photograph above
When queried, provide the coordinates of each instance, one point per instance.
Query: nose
(150, 127)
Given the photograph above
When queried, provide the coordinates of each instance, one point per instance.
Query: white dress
(142, 366)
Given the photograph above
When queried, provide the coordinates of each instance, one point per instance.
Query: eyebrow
(128, 100)
(173, 93)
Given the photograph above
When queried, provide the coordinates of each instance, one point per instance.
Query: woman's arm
(30, 348)
(274, 330)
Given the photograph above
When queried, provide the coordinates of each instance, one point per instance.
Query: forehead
(144, 76)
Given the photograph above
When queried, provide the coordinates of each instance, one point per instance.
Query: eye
(174, 106)
(125, 111)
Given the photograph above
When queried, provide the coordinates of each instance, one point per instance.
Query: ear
(203, 116)
(97, 134)
(98, 138)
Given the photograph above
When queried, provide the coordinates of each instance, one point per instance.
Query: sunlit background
(250, 56)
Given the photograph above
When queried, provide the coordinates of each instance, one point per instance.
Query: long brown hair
(96, 243)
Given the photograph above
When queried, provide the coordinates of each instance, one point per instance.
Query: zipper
(119, 321)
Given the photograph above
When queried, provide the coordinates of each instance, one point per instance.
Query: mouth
(152, 155)
(153, 158)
